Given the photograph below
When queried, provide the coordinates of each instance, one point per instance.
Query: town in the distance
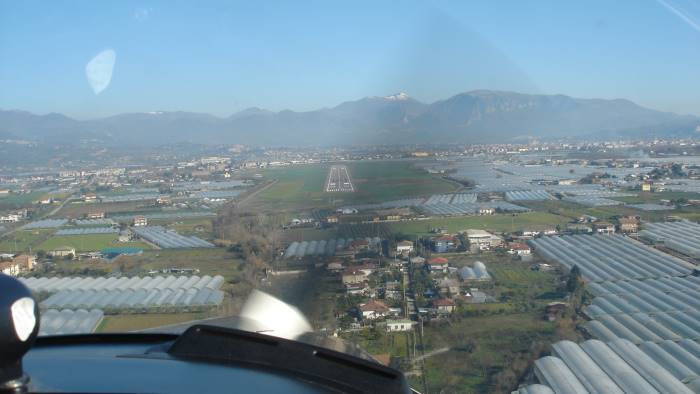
(537, 267)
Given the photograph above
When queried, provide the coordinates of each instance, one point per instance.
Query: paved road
(339, 180)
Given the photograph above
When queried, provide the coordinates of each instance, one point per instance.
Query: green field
(23, 240)
(302, 186)
(17, 200)
(79, 209)
(210, 261)
(647, 197)
(87, 242)
(497, 223)
(480, 348)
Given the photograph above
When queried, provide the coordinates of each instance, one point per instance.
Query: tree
(574, 281)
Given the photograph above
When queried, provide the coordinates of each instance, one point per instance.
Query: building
(90, 197)
(519, 249)
(10, 218)
(96, 215)
(335, 266)
(10, 268)
(554, 309)
(449, 287)
(602, 227)
(140, 220)
(26, 262)
(444, 244)
(646, 186)
(373, 310)
(628, 224)
(438, 265)
(353, 276)
(65, 251)
(404, 247)
(400, 325)
(444, 305)
(487, 211)
(482, 240)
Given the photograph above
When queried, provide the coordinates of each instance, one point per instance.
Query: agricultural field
(655, 198)
(79, 209)
(88, 242)
(381, 230)
(201, 228)
(497, 223)
(20, 200)
(480, 348)
(303, 186)
(23, 240)
(134, 322)
(211, 261)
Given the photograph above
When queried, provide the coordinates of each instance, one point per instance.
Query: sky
(220, 57)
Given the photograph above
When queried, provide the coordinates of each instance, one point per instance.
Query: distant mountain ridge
(480, 116)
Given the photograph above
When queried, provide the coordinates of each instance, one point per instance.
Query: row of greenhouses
(143, 300)
(324, 247)
(54, 284)
(609, 257)
(67, 321)
(682, 236)
(619, 366)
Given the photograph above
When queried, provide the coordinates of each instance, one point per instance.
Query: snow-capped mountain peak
(398, 97)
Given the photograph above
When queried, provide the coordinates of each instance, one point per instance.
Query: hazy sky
(221, 57)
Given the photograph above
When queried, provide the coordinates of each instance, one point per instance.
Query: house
(373, 310)
(404, 247)
(444, 305)
(10, 218)
(519, 248)
(554, 309)
(367, 267)
(359, 244)
(26, 262)
(332, 219)
(628, 224)
(438, 265)
(10, 268)
(357, 288)
(578, 228)
(334, 266)
(449, 287)
(646, 187)
(400, 325)
(482, 240)
(125, 236)
(602, 227)
(65, 251)
(353, 276)
(486, 211)
(417, 260)
(140, 221)
(444, 244)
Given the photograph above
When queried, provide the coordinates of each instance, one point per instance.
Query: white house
(404, 247)
(399, 325)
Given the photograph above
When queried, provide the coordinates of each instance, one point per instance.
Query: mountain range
(480, 116)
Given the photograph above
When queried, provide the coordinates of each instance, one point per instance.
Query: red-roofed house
(373, 309)
(519, 248)
(444, 305)
(438, 264)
